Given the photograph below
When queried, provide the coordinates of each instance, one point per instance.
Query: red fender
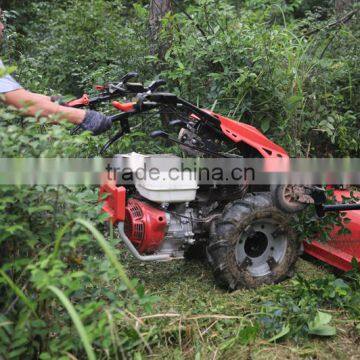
(238, 131)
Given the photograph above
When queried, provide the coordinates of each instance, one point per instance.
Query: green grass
(195, 319)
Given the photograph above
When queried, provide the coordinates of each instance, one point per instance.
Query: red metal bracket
(114, 202)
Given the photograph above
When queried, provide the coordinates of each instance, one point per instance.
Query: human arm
(12, 93)
(36, 103)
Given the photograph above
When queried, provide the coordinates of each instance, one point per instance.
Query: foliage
(43, 253)
(309, 227)
(245, 63)
(109, 29)
(296, 313)
(242, 61)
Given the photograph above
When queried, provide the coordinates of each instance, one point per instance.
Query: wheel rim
(260, 247)
(289, 196)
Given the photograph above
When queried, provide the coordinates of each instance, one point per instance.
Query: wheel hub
(260, 247)
(256, 244)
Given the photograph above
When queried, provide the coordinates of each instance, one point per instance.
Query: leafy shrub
(297, 312)
(82, 45)
(299, 89)
(269, 74)
(34, 322)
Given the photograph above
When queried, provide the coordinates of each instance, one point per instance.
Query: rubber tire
(279, 201)
(225, 232)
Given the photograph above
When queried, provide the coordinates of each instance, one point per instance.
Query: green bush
(270, 75)
(299, 89)
(33, 320)
(82, 45)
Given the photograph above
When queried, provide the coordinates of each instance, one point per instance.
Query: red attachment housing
(145, 226)
(342, 248)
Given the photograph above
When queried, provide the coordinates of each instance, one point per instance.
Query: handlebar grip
(129, 76)
(125, 107)
(156, 84)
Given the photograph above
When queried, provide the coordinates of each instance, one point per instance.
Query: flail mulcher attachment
(252, 243)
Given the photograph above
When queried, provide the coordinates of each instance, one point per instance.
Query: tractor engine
(155, 230)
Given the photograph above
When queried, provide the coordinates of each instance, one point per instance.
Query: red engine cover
(145, 226)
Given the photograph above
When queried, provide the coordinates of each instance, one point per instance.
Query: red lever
(84, 100)
(125, 107)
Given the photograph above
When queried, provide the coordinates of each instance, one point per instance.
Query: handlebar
(146, 100)
(118, 117)
(128, 76)
(83, 101)
(125, 107)
(110, 91)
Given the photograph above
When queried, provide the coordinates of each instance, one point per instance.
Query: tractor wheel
(251, 244)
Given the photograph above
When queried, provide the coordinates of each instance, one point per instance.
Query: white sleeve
(7, 82)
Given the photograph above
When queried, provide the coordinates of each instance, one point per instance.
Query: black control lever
(115, 138)
(135, 87)
(156, 84)
(159, 133)
(119, 87)
(128, 76)
(75, 130)
(178, 122)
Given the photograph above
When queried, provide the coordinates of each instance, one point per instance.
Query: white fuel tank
(159, 178)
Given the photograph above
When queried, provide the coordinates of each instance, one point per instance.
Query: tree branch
(191, 19)
(347, 17)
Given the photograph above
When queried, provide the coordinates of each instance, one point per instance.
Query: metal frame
(131, 247)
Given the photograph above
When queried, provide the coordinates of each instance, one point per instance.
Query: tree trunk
(159, 44)
(343, 5)
(158, 9)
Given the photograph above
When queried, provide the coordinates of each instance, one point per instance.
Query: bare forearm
(36, 103)
(40, 97)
